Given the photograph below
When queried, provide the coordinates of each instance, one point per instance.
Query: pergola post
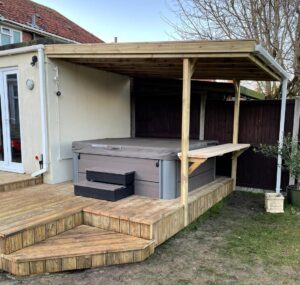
(281, 132)
(188, 70)
(235, 135)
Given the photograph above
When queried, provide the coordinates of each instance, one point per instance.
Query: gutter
(35, 30)
(271, 62)
(267, 58)
(42, 86)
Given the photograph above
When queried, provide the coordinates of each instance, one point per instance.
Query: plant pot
(274, 203)
(289, 189)
(294, 196)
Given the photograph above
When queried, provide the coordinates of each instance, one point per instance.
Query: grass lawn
(235, 242)
(272, 238)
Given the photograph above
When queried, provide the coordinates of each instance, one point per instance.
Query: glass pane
(5, 31)
(5, 39)
(16, 37)
(14, 120)
(1, 135)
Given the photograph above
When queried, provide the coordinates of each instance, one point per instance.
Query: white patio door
(10, 131)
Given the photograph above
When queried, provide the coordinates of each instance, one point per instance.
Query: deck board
(82, 240)
(39, 204)
(10, 181)
(81, 247)
(46, 228)
(213, 151)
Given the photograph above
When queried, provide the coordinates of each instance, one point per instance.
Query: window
(10, 36)
(16, 36)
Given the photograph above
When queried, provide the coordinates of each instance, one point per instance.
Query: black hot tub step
(103, 191)
(113, 176)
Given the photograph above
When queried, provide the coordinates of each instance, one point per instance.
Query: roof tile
(48, 20)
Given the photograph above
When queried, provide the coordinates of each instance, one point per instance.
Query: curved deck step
(79, 248)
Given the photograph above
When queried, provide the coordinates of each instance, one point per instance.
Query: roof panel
(215, 59)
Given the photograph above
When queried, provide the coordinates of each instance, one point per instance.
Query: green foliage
(290, 152)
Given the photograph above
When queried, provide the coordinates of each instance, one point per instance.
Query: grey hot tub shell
(155, 162)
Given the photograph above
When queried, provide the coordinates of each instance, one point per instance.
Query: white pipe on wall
(21, 50)
(43, 106)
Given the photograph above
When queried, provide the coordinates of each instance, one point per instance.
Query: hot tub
(155, 162)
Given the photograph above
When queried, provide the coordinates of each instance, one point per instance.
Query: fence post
(202, 116)
(295, 133)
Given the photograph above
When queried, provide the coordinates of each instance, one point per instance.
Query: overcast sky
(129, 20)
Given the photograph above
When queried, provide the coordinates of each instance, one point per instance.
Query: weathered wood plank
(179, 47)
(79, 248)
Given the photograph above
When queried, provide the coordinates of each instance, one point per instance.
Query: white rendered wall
(29, 108)
(93, 104)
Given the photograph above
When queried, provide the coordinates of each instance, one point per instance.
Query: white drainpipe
(267, 58)
(43, 106)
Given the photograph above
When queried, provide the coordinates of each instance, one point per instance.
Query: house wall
(29, 108)
(93, 104)
(26, 36)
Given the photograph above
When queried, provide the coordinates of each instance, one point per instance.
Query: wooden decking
(33, 214)
(79, 248)
(12, 181)
(46, 228)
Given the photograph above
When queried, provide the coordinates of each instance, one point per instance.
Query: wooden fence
(259, 123)
(158, 114)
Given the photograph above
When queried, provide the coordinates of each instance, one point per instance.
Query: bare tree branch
(274, 23)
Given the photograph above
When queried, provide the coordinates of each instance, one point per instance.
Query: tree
(290, 153)
(273, 23)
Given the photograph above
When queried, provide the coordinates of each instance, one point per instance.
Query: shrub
(290, 152)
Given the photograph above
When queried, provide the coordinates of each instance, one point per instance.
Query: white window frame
(7, 164)
(10, 34)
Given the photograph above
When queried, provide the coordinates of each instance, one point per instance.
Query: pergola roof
(230, 59)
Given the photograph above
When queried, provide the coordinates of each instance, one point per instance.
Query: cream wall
(93, 104)
(29, 108)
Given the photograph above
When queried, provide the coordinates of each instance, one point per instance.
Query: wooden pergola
(229, 60)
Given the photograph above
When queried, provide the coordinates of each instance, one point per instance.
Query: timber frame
(233, 60)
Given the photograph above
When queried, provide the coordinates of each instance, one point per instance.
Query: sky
(129, 20)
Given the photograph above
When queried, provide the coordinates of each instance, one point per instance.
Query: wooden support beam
(236, 154)
(235, 128)
(202, 116)
(188, 67)
(195, 165)
(193, 65)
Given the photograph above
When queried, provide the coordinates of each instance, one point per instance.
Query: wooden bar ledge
(199, 156)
